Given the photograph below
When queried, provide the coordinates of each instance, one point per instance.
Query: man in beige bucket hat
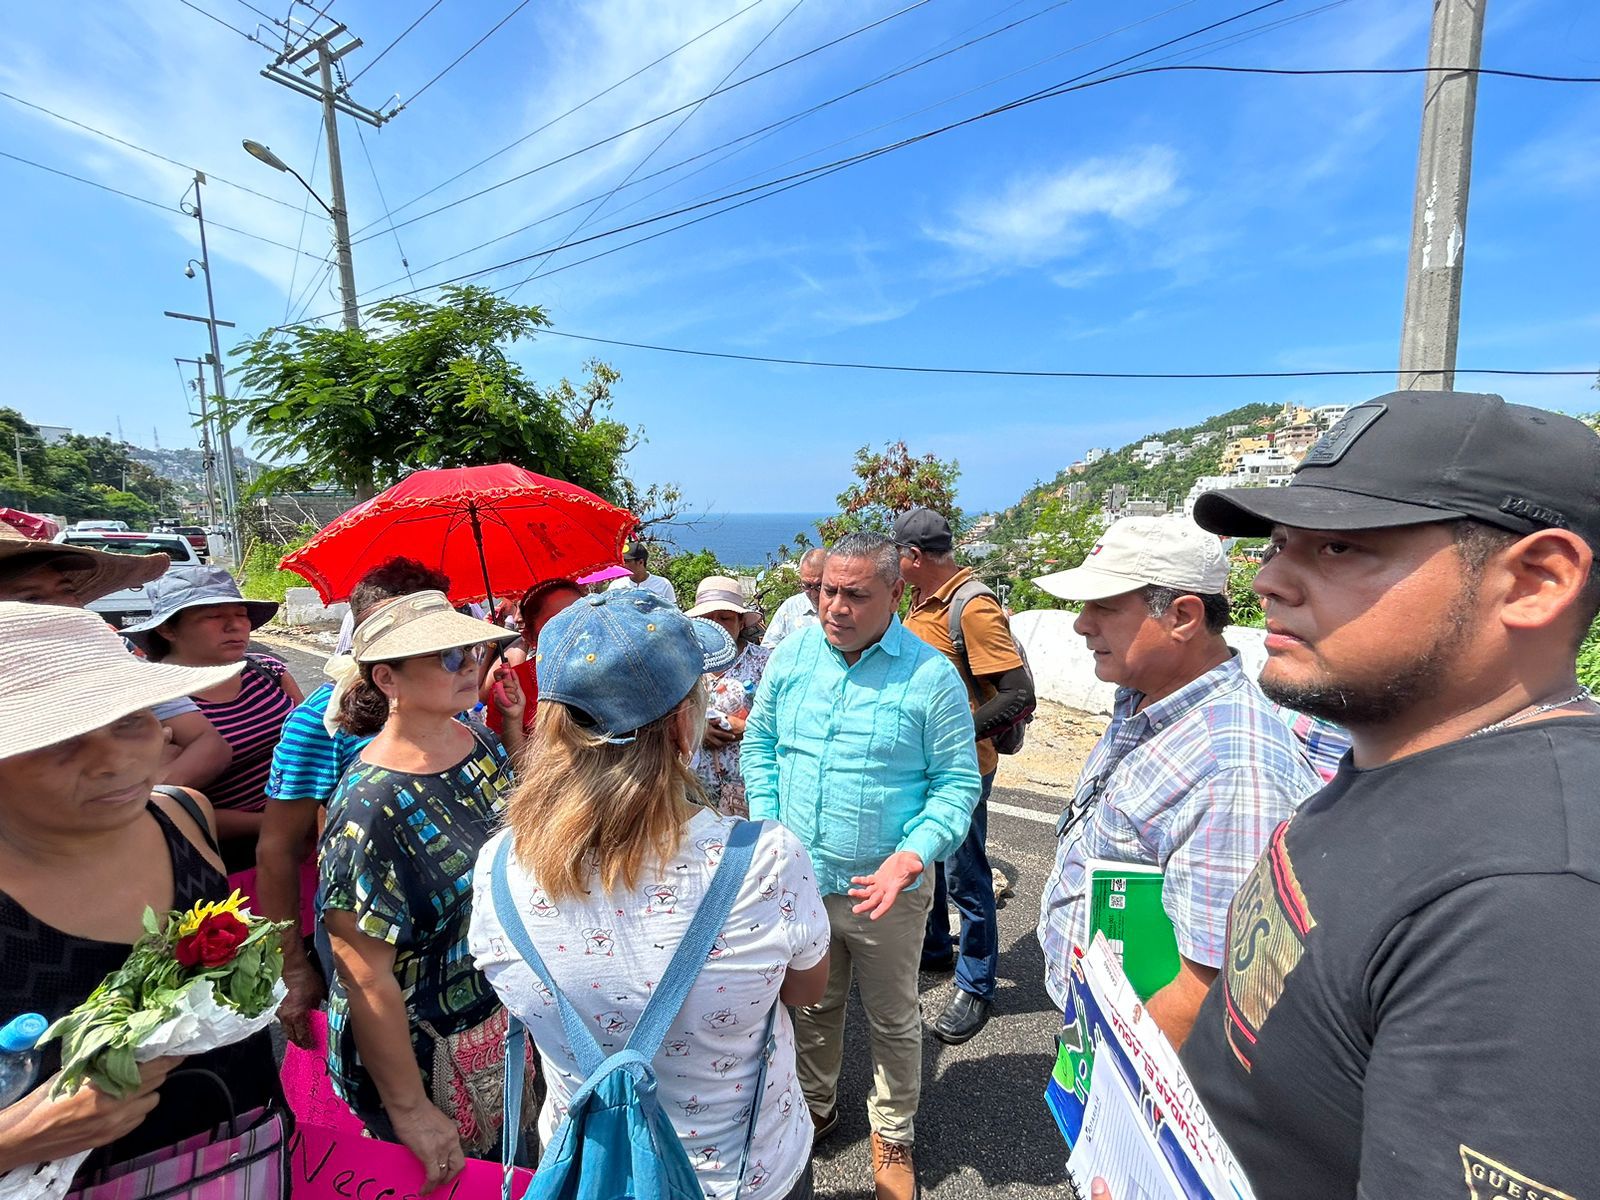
(1196, 768)
(33, 572)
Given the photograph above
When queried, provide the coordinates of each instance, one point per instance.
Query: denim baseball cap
(625, 659)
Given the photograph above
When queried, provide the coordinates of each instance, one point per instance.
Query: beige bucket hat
(418, 624)
(95, 573)
(718, 593)
(64, 672)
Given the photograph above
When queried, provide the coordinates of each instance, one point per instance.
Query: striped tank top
(250, 723)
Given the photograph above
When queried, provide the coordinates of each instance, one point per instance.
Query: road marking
(1027, 814)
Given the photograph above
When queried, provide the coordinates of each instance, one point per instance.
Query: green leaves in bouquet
(99, 1037)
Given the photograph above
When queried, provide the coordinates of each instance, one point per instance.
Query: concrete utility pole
(333, 103)
(1439, 213)
(208, 458)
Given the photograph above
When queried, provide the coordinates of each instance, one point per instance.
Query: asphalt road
(982, 1129)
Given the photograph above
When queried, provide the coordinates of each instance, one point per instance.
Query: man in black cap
(636, 557)
(945, 598)
(1409, 999)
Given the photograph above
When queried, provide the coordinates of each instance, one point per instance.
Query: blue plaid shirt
(1193, 783)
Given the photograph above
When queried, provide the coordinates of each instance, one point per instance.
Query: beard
(1388, 688)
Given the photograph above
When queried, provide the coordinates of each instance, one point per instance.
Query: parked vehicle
(99, 527)
(131, 605)
(194, 533)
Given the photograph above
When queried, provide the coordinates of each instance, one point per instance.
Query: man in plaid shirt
(1197, 767)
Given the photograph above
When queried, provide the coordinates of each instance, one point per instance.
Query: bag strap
(584, 1046)
(673, 989)
(768, 1047)
(511, 1111)
(185, 801)
(968, 590)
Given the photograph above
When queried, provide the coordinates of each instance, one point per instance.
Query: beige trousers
(883, 956)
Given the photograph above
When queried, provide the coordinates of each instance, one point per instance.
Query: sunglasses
(457, 657)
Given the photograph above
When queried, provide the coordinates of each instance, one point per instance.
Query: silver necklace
(1581, 694)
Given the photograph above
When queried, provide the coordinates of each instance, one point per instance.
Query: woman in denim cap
(613, 851)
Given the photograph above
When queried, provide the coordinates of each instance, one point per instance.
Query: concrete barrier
(1063, 668)
(302, 606)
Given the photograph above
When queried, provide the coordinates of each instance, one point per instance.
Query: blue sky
(1174, 222)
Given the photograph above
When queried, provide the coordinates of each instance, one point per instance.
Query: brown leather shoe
(893, 1173)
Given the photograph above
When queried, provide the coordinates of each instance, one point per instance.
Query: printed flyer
(1123, 1101)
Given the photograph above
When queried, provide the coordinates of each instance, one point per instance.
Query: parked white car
(130, 605)
(99, 527)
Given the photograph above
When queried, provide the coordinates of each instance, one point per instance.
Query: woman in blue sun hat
(611, 853)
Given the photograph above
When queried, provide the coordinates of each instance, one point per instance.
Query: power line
(111, 137)
(393, 44)
(775, 125)
(415, 96)
(1010, 373)
(28, 162)
(796, 179)
(249, 37)
(639, 166)
(305, 212)
(760, 191)
(916, 4)
(773, 187)
(377, 184)
(562, 117)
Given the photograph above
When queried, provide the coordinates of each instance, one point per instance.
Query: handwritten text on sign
(326, 1165)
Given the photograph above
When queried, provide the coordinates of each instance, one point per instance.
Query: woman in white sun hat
(87, 843)
(718, 599)
(415, 1032)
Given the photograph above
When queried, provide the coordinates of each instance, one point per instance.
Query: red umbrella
(40, 529)
(496, 529)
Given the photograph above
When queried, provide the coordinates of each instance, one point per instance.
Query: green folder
(1125, 905)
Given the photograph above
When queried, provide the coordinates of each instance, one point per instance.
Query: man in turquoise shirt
(860, 741)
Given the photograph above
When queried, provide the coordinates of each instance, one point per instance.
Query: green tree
(889, 483)
(1061, 536)
(685, 571)
(424, 385)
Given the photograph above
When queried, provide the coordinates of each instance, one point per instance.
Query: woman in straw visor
(412, 1024)
(86, 844)
(612, 854)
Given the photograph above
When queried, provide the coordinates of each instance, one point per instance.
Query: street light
(337, 210)
(264, 154)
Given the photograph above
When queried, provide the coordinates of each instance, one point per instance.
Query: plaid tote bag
(245, 1158)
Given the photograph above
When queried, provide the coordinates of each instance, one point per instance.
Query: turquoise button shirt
(861, 761)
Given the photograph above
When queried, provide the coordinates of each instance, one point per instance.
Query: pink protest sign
(333, 1159)
(325, 1165)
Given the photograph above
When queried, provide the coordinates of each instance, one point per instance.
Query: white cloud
(1038, 218)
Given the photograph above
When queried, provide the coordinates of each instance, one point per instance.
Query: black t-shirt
(1410, 1001)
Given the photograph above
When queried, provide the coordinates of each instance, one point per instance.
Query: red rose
(214, 942)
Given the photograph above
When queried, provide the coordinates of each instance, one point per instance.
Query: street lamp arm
(310, 189)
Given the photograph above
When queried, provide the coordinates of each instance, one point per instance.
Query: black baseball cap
(635, 551)
(1409, 458)
(923, 529)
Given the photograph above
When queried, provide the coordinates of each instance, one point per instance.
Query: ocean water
(742, 539)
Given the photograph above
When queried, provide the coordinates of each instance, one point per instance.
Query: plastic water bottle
(19, 1061)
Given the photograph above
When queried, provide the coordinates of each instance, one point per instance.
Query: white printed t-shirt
(606, 953)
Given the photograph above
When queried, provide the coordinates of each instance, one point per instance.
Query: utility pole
(1439, 213)
(333, 103)
(230, 484)
(208, 458)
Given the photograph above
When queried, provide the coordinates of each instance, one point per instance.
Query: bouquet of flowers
(195, 982)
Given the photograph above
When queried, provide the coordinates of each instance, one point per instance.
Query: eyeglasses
(453, 659)
(811, 589)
